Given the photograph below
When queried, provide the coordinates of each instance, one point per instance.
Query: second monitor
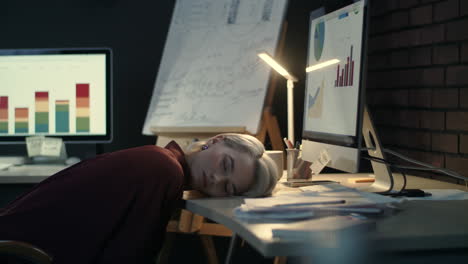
(334, 107)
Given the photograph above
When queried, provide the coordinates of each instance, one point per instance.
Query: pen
(288, 143)
(297, 144)
(366, 210)
(311, 203)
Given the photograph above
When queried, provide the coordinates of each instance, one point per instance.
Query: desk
(414, 229)
(28, 173)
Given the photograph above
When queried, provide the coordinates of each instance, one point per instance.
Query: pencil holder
(291, 159)
(297, 169)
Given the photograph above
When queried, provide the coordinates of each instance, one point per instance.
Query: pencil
(288, 144)
(312, 203)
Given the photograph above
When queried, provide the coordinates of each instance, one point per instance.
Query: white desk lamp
(321, 65)
(290, 84)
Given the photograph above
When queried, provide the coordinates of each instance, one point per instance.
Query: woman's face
(220, 170)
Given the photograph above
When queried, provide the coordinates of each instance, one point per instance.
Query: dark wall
(135, 30)
(417, 81)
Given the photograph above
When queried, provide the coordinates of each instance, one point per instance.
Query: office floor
(188, 249)
(8, 192)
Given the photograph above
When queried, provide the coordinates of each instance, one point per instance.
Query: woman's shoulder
(144, 161)
(148, 154)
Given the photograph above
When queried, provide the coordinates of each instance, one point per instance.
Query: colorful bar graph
(42, 112)
(346, 76)
(62, 116)
(3, 114)
(21, 120)
(82, 107)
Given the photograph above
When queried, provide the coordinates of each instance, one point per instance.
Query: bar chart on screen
(41, 115)
(346, 75)
(57, 96)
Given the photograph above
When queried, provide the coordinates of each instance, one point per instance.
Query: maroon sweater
(110, 209)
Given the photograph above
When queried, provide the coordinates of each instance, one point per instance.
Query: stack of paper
(284, 207)
(301, 211)
(312, 203)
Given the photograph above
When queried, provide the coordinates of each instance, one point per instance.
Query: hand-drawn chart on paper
(210, 74)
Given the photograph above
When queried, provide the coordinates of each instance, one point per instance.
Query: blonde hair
(266, 172)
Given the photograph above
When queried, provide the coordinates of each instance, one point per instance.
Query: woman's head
(231, 164)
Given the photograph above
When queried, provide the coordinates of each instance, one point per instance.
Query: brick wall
(418, 79)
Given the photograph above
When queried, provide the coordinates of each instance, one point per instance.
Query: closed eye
(228, 164)
(234, 190)
(231, 163)
(230, 188)
(225, 164)
(228, 168)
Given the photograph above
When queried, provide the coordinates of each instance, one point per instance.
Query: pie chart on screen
(319, 38)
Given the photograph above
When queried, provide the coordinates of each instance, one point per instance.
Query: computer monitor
(334, 105)
(64, 93)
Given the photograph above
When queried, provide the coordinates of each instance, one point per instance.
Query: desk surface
(28, 173)
(421, 225)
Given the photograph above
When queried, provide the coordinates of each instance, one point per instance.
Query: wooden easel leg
(209, 248)
(280, 260)
(261, 135)
(164, 253)
(197, 222)
(275, 134)
(185, 221)
(270, 124)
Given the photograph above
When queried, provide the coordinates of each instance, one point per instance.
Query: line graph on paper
(210, 74)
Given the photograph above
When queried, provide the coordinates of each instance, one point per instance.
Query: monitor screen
(55, 92)
(333, 97)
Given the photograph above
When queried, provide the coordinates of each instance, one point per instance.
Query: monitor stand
(45, 150)
(383, 176)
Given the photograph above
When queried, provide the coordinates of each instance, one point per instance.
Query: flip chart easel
(269, 125)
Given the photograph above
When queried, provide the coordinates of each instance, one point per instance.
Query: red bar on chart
(4, 102)
(346, 72)
(82, 90)
(3, 114)
(351, 64)
(341, 78)
(345, 76)
(337, 75)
